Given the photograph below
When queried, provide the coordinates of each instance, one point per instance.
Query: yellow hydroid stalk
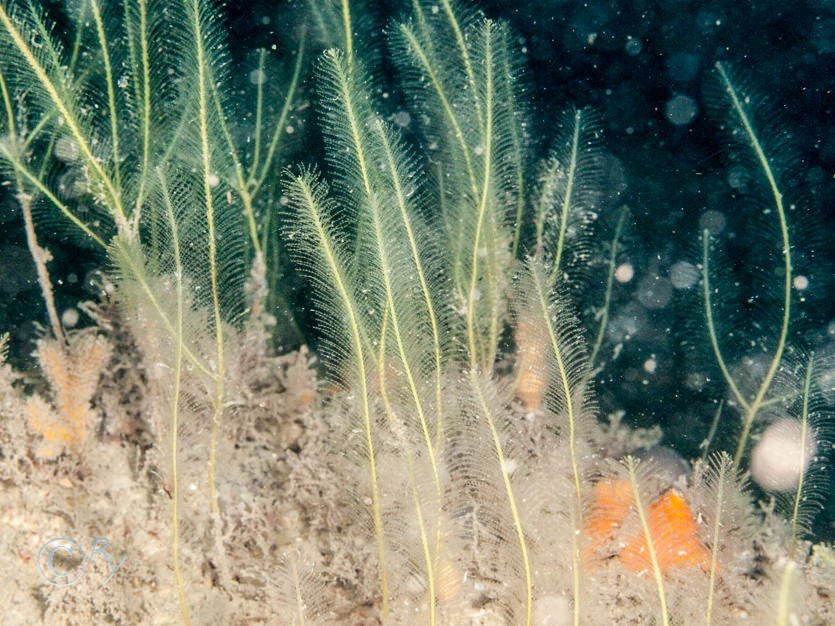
(482, 205)
(567, 196)
(391, 163)
(429, 560)
(207, 174)
(175, 400)
(486, 410)
(114, 198)
(308, 197)
(111, 93)
(565, 386)
(631, 465)
(752, 407)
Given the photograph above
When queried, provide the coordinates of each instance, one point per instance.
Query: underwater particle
(781, 455)
(825, 381)
(683, 67)
(257, 77)
(713, 222)
(823, 36)
(683, 275)
(633, 46)
(402, 119)
(552, 610)
(801, 283)
(681, 110)
(650, 365)
(668, 465)
(66, 149)
(214, 181)
(624, 273)
(696, 381)
(737, 177)
(70, 317)
(289, 129)
(655, 292)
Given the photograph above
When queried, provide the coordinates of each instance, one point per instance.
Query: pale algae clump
(447, 463)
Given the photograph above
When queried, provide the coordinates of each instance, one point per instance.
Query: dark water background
(645, 67)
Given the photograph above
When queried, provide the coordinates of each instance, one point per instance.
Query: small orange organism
(73, 373)
(671, 522)
(611, 503)
(675, 538)
(532, 377)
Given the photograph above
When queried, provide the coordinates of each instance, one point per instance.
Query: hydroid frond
(728, 520)
(52, 91)
(553, 335)
(403, 329)
(635, 479)
(198, 26)
(311, 237)
(491, 477)
(345, 114)
(744, 131)
(603, 313)
(400, 173)
(175, 393)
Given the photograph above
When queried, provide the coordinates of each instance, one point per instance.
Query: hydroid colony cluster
(453, 469)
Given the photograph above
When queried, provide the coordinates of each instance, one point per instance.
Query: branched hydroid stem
(567, 197)
(114, 197)
(310, 205)
(562, 368)
(39, 255)
(631, 464)
(803, 461)
(175, 400)
(111, 94)
(752, 407)
(253, 182)
(424, 287)
(428, 558)
(203, 114)
(610, 282)
(482, 205)
(486, 410)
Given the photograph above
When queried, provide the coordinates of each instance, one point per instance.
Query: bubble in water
(624, 273)
(683, 275)
(782, 455)
(655, 292)
(257, 77)
(70, 317)
(402, 119)
(633, 46)
(681, 110)
(66, 149)
(712, 221)
(683, 67)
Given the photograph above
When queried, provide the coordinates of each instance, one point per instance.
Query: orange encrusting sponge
(672, 528)
(675, 538)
